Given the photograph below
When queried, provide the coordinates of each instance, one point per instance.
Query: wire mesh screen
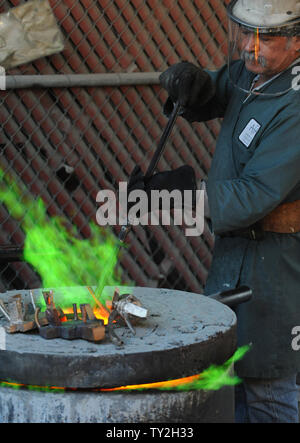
(67, 143)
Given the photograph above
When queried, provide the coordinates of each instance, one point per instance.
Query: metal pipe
(11, 254)
(81, 80)
(233, 297)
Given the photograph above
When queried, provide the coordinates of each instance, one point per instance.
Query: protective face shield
(262, 33)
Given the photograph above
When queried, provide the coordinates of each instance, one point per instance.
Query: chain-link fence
(65, 143)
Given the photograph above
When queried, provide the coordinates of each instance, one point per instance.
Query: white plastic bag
(28, 32)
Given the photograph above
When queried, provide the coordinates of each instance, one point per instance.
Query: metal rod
(81, 80)
(75, 314)
(3, 310)
(32, 300)
(163, 140)
(158, 153)
(233, 297)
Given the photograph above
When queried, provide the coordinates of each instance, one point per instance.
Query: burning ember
(100, 312)
(85, 323)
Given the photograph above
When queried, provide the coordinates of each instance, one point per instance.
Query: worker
(253, 190)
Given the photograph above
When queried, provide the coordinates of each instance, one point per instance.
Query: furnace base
(183, 335)
(22, 406)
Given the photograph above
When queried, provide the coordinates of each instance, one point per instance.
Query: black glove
(182, 179)
(187, 84)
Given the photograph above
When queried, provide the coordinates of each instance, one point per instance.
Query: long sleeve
(216, 107)
(269, 176)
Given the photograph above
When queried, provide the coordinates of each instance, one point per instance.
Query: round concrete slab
(183, 334)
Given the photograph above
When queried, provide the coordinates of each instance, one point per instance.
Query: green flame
(215, 377)
(211, 379)
(56, 251)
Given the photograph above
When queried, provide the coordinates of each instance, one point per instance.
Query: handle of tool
(162, 142)
(233, 297)
(155, 159)
(9, 254)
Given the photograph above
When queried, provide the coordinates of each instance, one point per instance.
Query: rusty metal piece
(90, 330)
(36, 317)
(110, 329)
(15, 309)
(75, 314)
(87, 328)
(48, 297)
(16, 314)
(83, 313)
(32, 300)
(52, 313)
(127, 308)
(3, 310)
(39, 322)
(130, 305)
(89, 312)
(53, 317)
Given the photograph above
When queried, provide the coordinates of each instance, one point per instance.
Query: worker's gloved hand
(187, 84)
(181, 179)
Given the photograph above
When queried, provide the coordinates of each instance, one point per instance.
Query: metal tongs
(158, 153)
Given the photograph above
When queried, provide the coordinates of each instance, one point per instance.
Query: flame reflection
(256, 45)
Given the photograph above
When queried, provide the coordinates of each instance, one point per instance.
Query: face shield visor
(266, 50)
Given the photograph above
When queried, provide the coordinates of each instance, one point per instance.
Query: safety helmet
(256, 17)
(274, 16)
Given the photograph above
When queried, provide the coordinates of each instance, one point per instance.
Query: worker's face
(265, 54)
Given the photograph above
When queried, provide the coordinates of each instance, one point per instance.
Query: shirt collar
(272, 78)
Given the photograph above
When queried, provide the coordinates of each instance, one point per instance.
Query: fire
(170, 384)
(9, 384)
(98, 312)
(158, 385)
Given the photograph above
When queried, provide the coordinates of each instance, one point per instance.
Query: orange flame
(100, 312)
(161, 384)
(157, 385)
(256, 47)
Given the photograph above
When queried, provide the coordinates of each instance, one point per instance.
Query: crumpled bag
(28, 32)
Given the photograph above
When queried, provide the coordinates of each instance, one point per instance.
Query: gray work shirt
(256, 167)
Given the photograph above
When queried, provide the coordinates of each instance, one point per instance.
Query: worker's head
(265, 34)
